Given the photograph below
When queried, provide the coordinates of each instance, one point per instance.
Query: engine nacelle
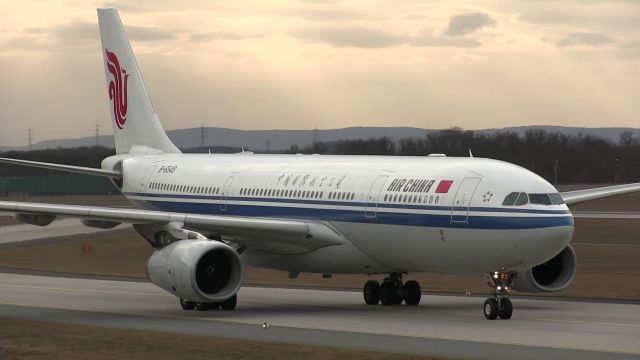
(34, 219)
(554, 275)
(197, 270)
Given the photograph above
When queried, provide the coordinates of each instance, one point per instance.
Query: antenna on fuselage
(470, 153)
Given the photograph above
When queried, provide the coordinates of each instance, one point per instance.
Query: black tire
(202, 306)
(230, 303)
(388, 294)
(412, 293)
(371, 292)
(491, 309)
(506, 309)
(187, 305)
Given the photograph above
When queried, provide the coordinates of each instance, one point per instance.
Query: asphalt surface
(448, 326)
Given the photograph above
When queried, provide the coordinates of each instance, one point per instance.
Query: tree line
(571, 159)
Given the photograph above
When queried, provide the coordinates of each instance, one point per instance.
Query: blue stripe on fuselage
(381, 205)
(358, 216)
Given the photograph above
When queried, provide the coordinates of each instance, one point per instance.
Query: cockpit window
(510, 200)
(556, 199)
(540, 199)
(523, 199)
(520, 198)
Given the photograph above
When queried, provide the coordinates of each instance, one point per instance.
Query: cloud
(351, 37)
(444, 41)
(584, 38)
(76, 32)
(81, 32)
(328, 14)
(609, 17)
(222, 35)
(148, 33)
(373, 38)
(467, 23)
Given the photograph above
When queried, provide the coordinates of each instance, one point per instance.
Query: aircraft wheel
(230, 303)
(506, 309)
(412, 293)
(371, 292)
(187, 305)
(202, 306)
(491, 309)
(388, 294)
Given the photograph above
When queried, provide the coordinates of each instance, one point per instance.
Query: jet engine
(197, 270)
(553, 275)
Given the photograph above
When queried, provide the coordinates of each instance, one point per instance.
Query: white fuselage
(399, 214)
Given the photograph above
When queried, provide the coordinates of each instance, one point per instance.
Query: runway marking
(306, 327)
(299, 304)
(459, 314)
(600, 244)
(83, 290)
(238, 321)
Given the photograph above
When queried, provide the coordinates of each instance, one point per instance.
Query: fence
(71, 184)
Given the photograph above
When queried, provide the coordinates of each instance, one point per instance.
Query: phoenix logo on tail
(117, 89)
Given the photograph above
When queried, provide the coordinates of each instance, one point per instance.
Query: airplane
(207, 215)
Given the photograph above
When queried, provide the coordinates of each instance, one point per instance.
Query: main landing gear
(229, 304)
(392, 291)
(499, 305)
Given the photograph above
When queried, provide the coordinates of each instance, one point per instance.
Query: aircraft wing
(575, 197)
(281, 236)
(605, 215)
(62, 167)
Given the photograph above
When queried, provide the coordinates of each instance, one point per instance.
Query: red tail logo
(117, 89)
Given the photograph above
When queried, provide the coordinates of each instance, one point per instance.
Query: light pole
(615, 171)
(555, 173)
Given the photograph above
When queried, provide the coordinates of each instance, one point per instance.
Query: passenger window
(523, 199)
(510, 200)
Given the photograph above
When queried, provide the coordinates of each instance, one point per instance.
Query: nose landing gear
(392, 291)
(499, 305)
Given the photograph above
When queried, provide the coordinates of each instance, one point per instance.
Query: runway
(448, 326)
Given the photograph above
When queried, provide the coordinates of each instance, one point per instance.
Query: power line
(30, 136)
(202, 136)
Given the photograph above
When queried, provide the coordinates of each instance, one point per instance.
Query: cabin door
(371, 206)
(226, 190)
(462, 200)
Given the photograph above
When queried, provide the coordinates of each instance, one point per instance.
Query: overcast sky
(326, 64)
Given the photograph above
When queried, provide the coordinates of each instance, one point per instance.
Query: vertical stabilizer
(136, 127)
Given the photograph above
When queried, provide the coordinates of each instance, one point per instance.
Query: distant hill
(280, 140)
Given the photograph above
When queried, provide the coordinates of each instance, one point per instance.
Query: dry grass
(627, 202)
(30, 340)
(609, 271)
(8, 220)
(603, 271)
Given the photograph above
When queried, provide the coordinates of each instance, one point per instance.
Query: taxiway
(448, 326)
